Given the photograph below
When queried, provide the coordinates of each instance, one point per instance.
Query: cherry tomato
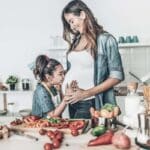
(74, 132)
(56, 143)
(42, 131)
(59, 136)
(48, 146)
(56, 131)
(34, 117)
(50, 134)
(79, 124)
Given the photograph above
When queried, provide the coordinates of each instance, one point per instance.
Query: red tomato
(59, 136)
(56, 143)
(56, 131)
(50, 134)
(34, 118)
(48, 146)
(74, 132)
(42, 131)
(79, 124)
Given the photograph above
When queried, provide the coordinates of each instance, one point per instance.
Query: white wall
(26, 27)
(123, 17)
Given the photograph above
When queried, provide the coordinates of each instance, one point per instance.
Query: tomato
(34, 118)
(59, 136)
(79, 124)
(42, 131)
(48, 146)
(56, 131)
(74, 132)
(50, 134)
(56, 143)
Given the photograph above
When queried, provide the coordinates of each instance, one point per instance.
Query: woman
(93, 60)
(46, 100)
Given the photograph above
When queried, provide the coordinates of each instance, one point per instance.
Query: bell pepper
(104, 139)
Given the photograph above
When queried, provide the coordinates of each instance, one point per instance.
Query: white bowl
(3, 112)
(25, 112)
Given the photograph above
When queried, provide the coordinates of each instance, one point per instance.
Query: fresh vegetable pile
(99, 130)
(119, 139)
(107, 111)
(56, 138)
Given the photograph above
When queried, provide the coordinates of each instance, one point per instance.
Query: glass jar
(132, 100)
(25, 84)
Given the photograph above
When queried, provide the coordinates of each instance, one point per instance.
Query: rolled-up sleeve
(114, 59)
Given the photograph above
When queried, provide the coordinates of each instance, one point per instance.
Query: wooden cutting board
(28, 129)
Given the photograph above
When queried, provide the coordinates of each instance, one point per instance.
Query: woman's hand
(75, 96)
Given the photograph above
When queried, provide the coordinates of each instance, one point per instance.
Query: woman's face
(76, 22)
(58, 75)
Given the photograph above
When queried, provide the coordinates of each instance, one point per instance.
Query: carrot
(104, 139)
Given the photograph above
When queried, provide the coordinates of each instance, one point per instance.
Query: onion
(121, 140)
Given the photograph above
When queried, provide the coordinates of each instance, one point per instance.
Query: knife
(21, 133)
(117, 122)
(87, 126)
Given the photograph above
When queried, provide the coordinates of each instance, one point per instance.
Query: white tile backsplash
(135, 59)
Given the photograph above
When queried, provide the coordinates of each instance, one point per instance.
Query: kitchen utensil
(141, 80)
(117, 122)
(21, 133)
(146, 146)
(136, 77)
(87, 127)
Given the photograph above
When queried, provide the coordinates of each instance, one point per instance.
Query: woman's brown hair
(92, 28)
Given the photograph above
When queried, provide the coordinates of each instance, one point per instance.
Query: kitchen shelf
(5, 93)
(15, 92)
(130, 45)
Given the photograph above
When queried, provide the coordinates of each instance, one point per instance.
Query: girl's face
(58, 75)
(76, 22)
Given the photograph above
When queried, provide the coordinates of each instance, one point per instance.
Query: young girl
(46, 101)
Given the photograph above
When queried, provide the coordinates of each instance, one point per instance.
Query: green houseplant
(12, 80)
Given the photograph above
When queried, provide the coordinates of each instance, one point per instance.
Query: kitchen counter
(16, 142)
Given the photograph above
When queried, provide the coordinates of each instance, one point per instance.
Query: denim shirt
(42, 102)
(106, 64)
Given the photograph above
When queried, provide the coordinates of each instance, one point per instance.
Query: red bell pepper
(104, 139)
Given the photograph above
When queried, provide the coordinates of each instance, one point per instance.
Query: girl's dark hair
(92, 28)
(44, 65)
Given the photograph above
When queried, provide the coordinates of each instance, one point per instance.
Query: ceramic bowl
(25, 112)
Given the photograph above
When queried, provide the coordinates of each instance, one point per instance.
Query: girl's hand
(70, 88)
(58, 87)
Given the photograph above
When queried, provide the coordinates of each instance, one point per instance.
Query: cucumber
(99, 130)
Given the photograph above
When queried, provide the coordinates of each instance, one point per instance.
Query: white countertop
(16, 142)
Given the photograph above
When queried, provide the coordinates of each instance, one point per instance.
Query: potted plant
(12, 80)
